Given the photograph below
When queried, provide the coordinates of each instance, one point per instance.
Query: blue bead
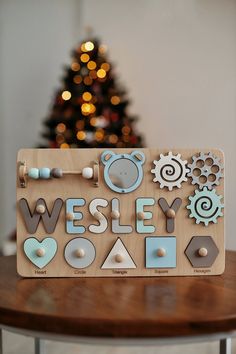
(44, 173)
(33, 173)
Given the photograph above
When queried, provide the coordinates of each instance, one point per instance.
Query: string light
(66, 95)
(87, 46)
(113, 138)
(93, 121)
(80, 124)
(87, 108)
(102, 49)
(99, 135)
(64, 146)
(115, 100)
(75, 66)
(60, 138)
(101, 73)
(77, 79)
(84, 58)
(87, 96)
(92, 65)
(105, 66)
(88, 81)
(125, 130)
(81, 135)
(93, 74)
(61, 127)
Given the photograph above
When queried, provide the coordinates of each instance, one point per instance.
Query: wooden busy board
(120, 212)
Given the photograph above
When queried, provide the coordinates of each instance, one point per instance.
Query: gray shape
(195, 244)
(115, 223)
(32, 219)
(70, 252)
(170, 222)
(123, 173)
(205, 170)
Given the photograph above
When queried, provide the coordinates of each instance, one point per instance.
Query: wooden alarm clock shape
(120, 212)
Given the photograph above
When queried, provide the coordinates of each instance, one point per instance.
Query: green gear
(205, 206)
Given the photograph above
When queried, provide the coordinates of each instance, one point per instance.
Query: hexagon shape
(201, 251)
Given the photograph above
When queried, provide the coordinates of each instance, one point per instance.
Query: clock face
(123, 173)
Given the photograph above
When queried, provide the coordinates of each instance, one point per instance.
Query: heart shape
(49, 245)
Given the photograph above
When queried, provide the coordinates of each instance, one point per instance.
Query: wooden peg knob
(40, 209)
(115, 214)
(170, 213)
(70, 216)
(40, 252)
(161, 252)
(79, 253)
(141, 215)
(97, 215)
(202, 252)
(119, 258)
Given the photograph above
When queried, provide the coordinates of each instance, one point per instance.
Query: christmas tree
(90, 109)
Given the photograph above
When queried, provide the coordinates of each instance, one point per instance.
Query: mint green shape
(140, 227)
(48, 244)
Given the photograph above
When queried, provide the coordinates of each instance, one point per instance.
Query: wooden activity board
(120, 212)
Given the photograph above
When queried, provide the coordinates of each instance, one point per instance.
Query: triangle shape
(118, 257)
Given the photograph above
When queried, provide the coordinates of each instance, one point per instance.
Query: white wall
(177, 58)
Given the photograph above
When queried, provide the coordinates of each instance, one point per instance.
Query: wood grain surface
(77, 187)
(120, 307)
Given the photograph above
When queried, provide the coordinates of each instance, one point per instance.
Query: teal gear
(205, 206)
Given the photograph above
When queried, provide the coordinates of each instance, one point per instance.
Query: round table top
(119, 307)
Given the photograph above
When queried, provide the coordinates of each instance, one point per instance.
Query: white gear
(170, 171)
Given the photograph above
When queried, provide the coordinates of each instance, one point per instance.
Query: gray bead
(57, 173)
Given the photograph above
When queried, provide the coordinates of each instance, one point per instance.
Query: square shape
(165, 244)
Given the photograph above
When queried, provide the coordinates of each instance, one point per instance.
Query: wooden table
(120, 311)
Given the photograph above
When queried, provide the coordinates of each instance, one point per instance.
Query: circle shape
(71, 249)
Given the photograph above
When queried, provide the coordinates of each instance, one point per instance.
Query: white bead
(87, 172)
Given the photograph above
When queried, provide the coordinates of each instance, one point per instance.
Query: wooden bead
(87, 173)
(57, 173)
(70, 216)
(119, 258)
(141, 215)
(40, 209)
(79, 253)
(40, 252)
(44, 173)
(202, 252)
(170, 213)
(33, 173)
(161, 252)
(115, 214)
(97, 215)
